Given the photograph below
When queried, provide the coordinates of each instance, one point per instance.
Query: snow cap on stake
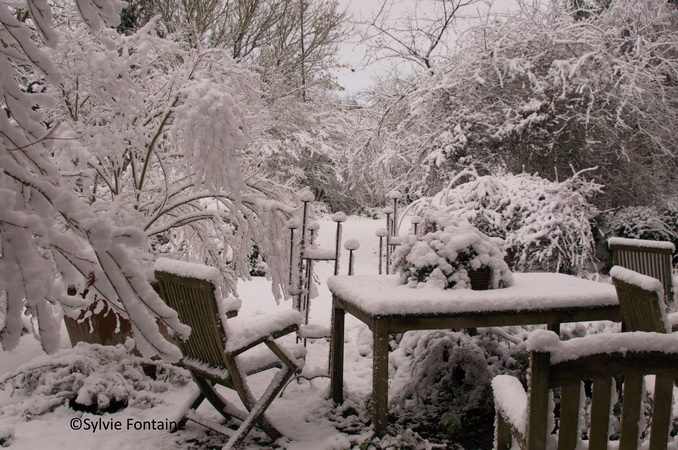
(305, 195)
(381, 232)
(351, 245)
(395, 195)
(338, 217)
(293, 224)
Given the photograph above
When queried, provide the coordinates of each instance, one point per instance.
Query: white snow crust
(385, 295)
(641, 243)
(602, 343)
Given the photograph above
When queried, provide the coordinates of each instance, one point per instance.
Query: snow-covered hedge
(545, 224)
(644, 222)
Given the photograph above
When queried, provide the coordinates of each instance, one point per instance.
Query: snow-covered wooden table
(387, 306)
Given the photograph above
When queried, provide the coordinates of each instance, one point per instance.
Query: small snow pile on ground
(90, 377)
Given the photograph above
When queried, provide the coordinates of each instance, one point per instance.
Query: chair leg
(249, 401)
(257, 411)
(207, 391)
(198, 398)
(503, 433)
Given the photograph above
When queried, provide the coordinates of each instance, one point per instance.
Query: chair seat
(246, 332)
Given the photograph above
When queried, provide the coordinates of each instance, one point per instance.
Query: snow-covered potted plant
(452, 255)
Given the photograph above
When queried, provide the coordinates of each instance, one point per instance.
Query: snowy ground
(303, 413)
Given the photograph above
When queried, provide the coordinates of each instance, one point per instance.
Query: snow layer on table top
(602, 343)
(637, 279)
(188, 269)
(385, 295)
(641, 243)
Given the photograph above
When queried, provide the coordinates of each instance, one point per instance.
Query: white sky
(357, 76)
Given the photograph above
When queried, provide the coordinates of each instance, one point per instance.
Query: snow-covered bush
(545, 224)
(644, 222)
(453, 371)
(90, 377)
(446, 257)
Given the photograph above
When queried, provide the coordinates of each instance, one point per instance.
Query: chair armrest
(510, 401)
(230, 306)
(244, 333)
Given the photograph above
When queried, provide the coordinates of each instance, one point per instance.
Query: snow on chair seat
(562, 367)
(225, 355)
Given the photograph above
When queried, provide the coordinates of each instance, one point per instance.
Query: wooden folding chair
(651, 258)
(215, 354)
(640, 298)
(533, 420)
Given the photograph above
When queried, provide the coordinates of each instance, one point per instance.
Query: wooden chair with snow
(641, 299)
(224, 352)
(560, 367)
(651, 258)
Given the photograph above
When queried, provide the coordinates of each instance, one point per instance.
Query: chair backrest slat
(569, 415)
(195, 302)
(601, 398)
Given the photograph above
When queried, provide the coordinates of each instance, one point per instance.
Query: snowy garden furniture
(387, 306)
(562, 366)
(640, 300)
(226, 356)
(652, 258)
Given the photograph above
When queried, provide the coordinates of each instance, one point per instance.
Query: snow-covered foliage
(543, 90)
(444, 258)
(94, 378)
(643, 222)
(545, 224)
(111, 140)
(453, 372)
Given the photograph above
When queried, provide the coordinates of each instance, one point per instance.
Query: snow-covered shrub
(453, 371)
(545, 224)
(644, 222)
(90, 377)
(445, 258)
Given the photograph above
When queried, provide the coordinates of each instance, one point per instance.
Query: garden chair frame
(210, 360)
(568, 376)
(651, 258)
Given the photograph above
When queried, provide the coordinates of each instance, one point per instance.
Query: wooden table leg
(337, 354)
(380, 376)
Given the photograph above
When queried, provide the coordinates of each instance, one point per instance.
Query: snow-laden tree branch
(131, 133)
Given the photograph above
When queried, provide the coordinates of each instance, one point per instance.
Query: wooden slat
(633, 391)
(538, 400)
(661, 412)
(569, 416)
(600, 413)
